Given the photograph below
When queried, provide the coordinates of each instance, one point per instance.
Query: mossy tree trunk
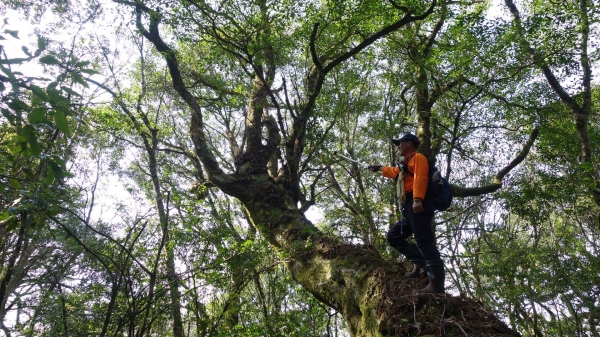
(371, 293)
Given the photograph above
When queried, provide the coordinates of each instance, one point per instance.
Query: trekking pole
(360, 164)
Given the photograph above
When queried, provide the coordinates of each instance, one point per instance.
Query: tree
(575, 28)
(35, 148)
(351, 280)
(269, 90)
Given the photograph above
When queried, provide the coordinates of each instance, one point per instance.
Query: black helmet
(407, 137)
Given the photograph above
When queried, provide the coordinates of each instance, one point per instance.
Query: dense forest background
(140, 143)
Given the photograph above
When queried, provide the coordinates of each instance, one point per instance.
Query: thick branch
(585, 60)
(543, 65)
(436, 29)
(197, 125)
(313, 51)
(497, 180)
(408, 18)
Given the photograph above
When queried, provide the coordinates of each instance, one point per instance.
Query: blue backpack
(438, 189)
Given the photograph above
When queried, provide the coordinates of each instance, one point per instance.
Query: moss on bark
(371, 293)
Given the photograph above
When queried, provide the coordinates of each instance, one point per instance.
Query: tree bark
(371, 293)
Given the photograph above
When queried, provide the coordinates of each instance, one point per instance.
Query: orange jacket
(415, 182)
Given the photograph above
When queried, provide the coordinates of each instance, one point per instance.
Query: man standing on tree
(417, 210)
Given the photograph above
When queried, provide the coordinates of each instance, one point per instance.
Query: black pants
(421, 226)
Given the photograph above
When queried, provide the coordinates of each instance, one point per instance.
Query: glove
(374, 168)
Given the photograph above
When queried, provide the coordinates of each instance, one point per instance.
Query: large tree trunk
(371, 293)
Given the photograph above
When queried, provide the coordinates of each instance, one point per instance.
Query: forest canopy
(169, 168)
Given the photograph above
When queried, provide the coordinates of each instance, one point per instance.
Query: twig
(461, 329)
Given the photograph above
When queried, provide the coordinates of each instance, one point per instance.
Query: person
(417, 210)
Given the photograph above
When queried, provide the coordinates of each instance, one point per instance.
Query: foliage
(119, 215)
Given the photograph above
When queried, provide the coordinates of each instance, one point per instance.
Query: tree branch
(406, 19)
(313, 51)
(497, 180)
(540, 61)
(436, 29)
(197, 124)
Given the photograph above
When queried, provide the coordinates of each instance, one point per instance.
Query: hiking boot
(437, 277)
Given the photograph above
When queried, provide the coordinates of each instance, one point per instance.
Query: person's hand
(417, 206)
(374, 168)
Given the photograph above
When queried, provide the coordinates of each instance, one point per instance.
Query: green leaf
(587, 166)
(15, 183)
(13, 33)
(38, 91)
(7, 72)
(48, 59)
(36, 149)
(82, 64)
(70, 91)
(11, 223)
(37, 115)
(54, 211)
(8, 115)
(54, 95)
(14, 149)
(59, 161)
(58, 171)
(41, 42)
(29, 220)
(36, 100)
(25, 50)
(89, 71)
(29, 173)
(78, 79)
(18, 105)
(27, 132)
(61, 122)
(49, 176)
